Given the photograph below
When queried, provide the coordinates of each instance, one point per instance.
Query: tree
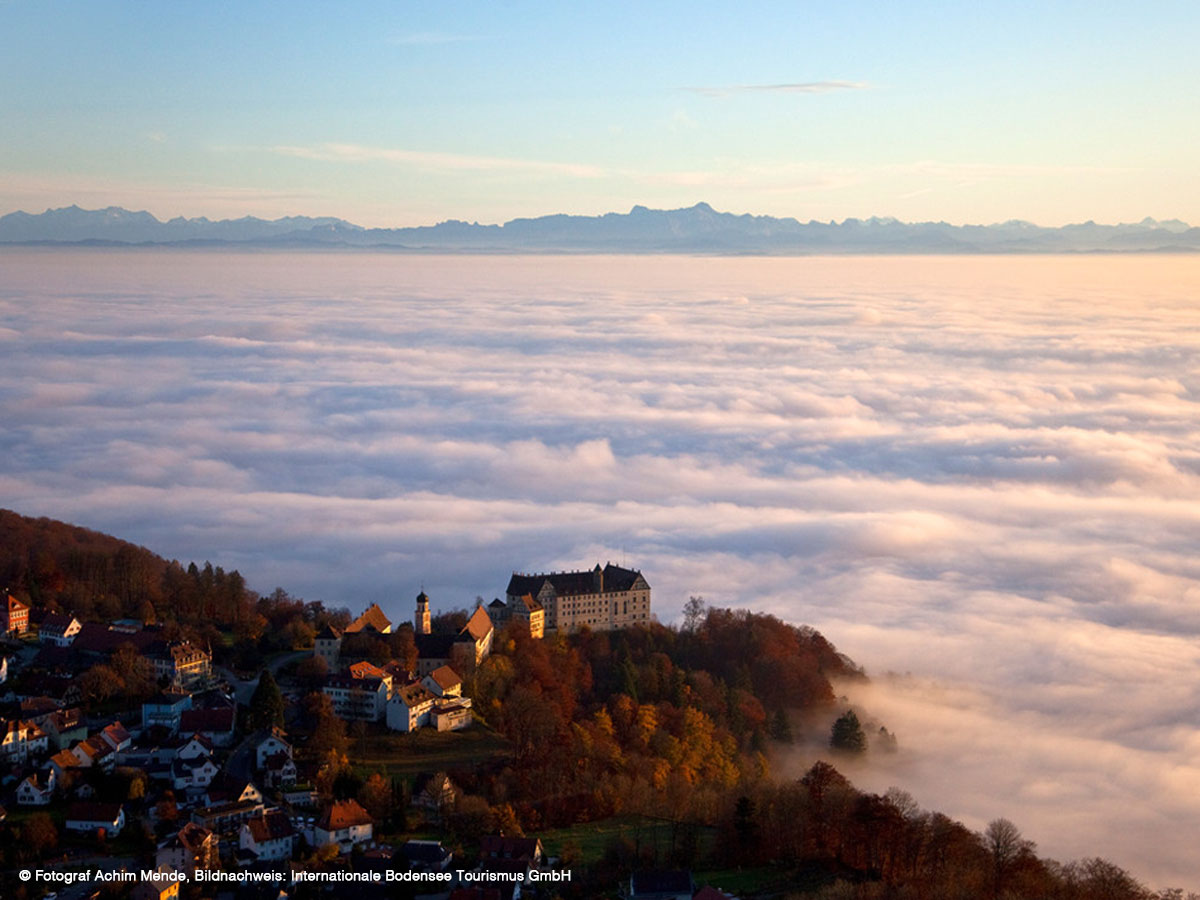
(266, 704)
(693, 613)
(1006, 847)
(847, 735)
(39, 834)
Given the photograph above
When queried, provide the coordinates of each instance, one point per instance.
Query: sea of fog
(980, 475)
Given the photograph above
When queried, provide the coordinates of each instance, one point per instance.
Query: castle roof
(613, 578)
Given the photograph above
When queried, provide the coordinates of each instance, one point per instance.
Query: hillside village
(200, 769)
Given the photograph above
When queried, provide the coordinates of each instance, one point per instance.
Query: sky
(391, 113)
(977, 476)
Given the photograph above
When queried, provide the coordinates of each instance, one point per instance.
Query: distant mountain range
(697, 229)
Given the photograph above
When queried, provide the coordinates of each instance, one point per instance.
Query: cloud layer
(980, 472)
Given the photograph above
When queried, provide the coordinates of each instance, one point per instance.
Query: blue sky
(399, 113)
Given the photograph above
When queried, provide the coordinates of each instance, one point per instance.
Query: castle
(602, 599)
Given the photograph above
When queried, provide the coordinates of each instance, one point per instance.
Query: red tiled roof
(343, 814)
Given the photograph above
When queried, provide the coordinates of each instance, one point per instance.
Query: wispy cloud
(797, 87)
(359, 153)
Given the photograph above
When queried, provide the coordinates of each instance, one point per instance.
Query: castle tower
(422, 620)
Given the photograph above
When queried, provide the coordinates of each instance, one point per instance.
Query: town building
(357, 698)
(14, 616)
(409, 707)
(462, 651)
(95, 818)
(269, 836)
(58, 629)
(191, 848)
(345, 824)
(328, 645)
(602, 599)
(525, 609)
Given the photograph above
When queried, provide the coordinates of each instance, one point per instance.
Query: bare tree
(1006, 847)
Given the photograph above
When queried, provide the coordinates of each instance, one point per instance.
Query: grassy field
(646, 833)
(405, 755)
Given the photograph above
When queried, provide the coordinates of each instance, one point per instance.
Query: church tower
(421, 619)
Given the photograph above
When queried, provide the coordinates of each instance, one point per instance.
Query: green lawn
(593, 838)
(399, 755)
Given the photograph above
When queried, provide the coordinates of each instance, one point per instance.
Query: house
(65, 764)
(527, 849)
(372, 619)
(328, 646)
(58, 629)
(438, 795)
(194, 773)
(95, 818)
(268, 836)
(14, 616)
(189, 849)
(425, 856)
(195, 748)
(451, 714)
(443, 682)
(409, 707)
(602, 599)
(95, 752)
(64, 727)
(227, 789)
(116, 736)
(166, 710)
(267, 743)
(181, 664)
(357, 698)
(660, 884)
(22, 739)
(279, 771)
(366, 669)
(217, 724)
(37, 789)
(224, 818)
(344, 823)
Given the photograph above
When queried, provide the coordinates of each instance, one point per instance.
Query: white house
(37, 789)
(267, 744)
(409, 707)
(58, 629)
(344, 823)
(451, 714)
(92, 818)
(443, 682)
(197, 772)
(269, 836)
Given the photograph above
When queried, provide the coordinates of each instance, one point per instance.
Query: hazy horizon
(979, 473)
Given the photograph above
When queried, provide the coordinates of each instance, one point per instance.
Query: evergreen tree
(847, 735)
(266, 705)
